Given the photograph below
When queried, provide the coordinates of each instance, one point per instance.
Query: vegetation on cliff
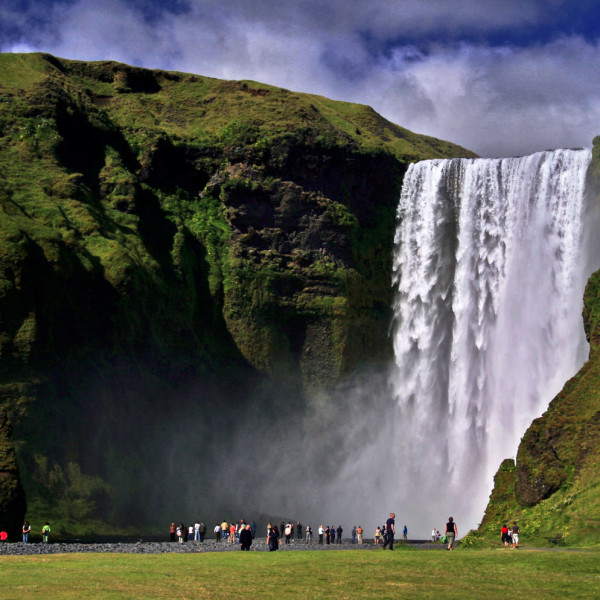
(554, 488)
(170, 240)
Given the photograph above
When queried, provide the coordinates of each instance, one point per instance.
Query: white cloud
(495, 100)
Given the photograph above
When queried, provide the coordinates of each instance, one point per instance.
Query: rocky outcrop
(554, 486)
(12, 498)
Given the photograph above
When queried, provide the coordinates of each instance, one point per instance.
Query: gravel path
(141, 547)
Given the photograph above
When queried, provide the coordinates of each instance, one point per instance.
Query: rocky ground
(142, 547)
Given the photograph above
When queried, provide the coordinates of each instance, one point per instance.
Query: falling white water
(491, 263)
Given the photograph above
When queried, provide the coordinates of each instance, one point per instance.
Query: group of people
(183, 533)
(26, 531)
(231, 532)
(510, 535)
(244, 533)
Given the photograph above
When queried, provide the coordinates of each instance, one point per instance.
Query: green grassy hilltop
(168, 241)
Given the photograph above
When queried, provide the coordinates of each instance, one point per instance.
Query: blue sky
(500, 77)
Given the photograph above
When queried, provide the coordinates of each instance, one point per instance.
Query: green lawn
(480, 574)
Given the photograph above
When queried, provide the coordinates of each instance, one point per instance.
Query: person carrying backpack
(46, 532)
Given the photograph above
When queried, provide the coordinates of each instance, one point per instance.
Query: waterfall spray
(491, 261)
(490, 268)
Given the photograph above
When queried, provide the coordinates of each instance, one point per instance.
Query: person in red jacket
(504, 535)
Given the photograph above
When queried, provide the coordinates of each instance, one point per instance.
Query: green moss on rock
(162, 232)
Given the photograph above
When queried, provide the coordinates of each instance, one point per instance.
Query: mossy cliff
(554, 487)
(169, 241)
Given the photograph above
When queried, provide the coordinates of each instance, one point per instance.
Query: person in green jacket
(46, 532)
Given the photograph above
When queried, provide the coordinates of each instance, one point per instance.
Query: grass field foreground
(306, 574)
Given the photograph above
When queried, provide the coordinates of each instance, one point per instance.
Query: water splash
(490, 268)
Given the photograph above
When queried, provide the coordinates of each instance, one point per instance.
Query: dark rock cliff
(173, 248)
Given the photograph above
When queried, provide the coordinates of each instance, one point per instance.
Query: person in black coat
(245, 538)
(273, 539)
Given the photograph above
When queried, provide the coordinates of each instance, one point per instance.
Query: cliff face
(553, 487)
(170, 247)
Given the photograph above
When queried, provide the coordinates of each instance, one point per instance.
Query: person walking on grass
(451, 532)
(504, 535)
(515, 535)
(390, 530)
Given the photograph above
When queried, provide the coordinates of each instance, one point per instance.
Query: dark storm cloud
(498, 77)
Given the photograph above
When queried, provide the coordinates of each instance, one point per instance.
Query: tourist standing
(224, 530)
(405, 533)
(321, 534)
(45, 532)
(451, 532)
(245, 538)
(354, 535)
(273, 539)
(308, 534)
(359, 534)
(299, 530)
(377, 536)
(339, 532)
(172, 532)
(217, 531)
(202, 530)
(26, 531)
(390, 530)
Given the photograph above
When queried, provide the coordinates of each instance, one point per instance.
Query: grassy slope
(196, 107)
(555, 485)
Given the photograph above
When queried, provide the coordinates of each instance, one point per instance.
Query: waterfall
(490, 265)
